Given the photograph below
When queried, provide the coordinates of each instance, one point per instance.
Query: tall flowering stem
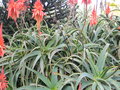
(93, 19)
(12, 9)
(15, 8)
(3, 81)
(21, 5)
(38, 13)
(86, 3)
(2, 45)
(107, 11)
(72, 2)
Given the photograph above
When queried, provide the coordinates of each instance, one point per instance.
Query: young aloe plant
(48, 83)
(100, 76)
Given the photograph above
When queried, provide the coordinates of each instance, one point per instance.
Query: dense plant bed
(82, 53)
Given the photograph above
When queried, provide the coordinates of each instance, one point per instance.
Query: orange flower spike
(1, 37)
(107, 11)
(86, 1)
(21, 5)
(93, 20)
(38, 13)
(3, 81)
(38, 5)
(72, 2)
(2, 45)
(12, 10)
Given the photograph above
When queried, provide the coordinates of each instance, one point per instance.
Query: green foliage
(98, 76)
(64, 56)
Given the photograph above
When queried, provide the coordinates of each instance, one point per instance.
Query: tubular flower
(2, 45)
(21, 5)
(3, 81)
(72, 2)
(93, 20)
(107, 11)
(13, 12)
(14, 8)
(86, 1)
(38, 13)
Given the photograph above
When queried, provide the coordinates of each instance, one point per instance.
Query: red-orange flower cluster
(2, 45)
(21, 5)
(93, 20)
(3, 81)
(72, 2)
(38, 13)
(86, 1)
(14, 8)
(107, 11)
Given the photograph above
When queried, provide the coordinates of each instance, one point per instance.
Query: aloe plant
(100, 76)
(53, 82)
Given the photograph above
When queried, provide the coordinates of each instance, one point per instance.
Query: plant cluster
(81, 54)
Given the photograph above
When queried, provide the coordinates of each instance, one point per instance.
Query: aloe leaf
(91, 45)
(115, 83)
(54, 78)
(32, 88)
(104, 83)
(85, 84)
(34, 53)
(41, 77)
(101, 59)
(64, 82)
(42, 65)
(50, 55)
(94, 86)
(67, 88)
(36, 60)
(83, 75)
(74, 65)
(92, 64)
(100, 85)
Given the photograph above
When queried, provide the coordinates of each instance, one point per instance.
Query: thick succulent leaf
(102, 57)
(41, 77)
(83, 75)
(32, 88)
(94, 86)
